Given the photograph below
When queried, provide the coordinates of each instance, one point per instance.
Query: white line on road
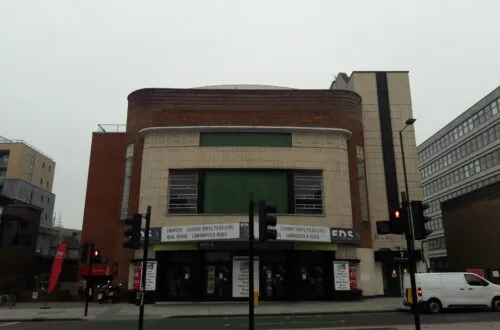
(458, 317)
(309, 322)
(7, 324)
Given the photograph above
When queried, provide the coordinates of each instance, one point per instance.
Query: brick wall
(101, 218)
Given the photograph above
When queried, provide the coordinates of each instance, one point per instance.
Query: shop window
(182, 192)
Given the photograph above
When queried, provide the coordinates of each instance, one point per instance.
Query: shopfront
(394, 267)
(218, 270)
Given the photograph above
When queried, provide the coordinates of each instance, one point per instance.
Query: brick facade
(101, 217)
(199, 107)
(205, 107)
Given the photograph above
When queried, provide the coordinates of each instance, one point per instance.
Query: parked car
(438, 291)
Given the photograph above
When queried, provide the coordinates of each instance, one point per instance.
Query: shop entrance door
(177, 275)
(392, 279)
(179, 281)
(217, 276)
(310, 275)
(310, 280)
(273, 279)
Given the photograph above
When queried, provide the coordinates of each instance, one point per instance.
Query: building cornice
(280, 129)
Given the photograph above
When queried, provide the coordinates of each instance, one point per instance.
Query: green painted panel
(227, 191)
(245, 139)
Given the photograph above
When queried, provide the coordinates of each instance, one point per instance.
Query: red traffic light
(96, 253)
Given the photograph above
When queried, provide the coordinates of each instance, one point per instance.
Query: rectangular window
(183, 192)
(308, 192)
(127, 179)
(245, 139)
(227, 191)
(362, 184)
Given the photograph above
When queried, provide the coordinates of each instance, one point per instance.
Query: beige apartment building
(27, 175)
(330, 159)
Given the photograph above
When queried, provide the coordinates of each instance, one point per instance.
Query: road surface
(261, 322)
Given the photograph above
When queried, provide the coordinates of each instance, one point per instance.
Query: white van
(436, 291)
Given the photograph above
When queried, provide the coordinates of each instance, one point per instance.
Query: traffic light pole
(411, 260)
(144, 267)
(410, 219)
(410, 243)
(251, 237)
(87, 286)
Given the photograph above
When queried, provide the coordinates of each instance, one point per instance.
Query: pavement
(386, 321)
(74, 311)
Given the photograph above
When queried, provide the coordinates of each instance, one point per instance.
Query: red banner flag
(57, 266)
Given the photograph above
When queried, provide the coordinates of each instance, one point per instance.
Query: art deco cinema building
(328, 158)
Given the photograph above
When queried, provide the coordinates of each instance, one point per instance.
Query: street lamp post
(408, 122)
(410, 244)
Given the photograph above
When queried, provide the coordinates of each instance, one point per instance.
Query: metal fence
(111, 128)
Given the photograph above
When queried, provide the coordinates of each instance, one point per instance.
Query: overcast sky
(66, 66)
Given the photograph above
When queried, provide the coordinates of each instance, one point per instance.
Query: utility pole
(144, 267)
(251, 239)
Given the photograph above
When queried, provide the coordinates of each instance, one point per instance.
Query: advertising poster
(241, 276)
(353, 276)
(150, 276)
(341, 275)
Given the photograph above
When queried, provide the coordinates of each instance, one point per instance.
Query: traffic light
(420, 232)
(397, 224)
(85, 253)
(399, 220)
(96, 256)
(267, 217)
(132, 232)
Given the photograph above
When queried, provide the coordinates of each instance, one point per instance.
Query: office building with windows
(27, 176)
(461, 157)
(329, 159)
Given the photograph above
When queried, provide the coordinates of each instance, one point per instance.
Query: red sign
(353, 276)
(479, 272)
(57, 266)
(136, 284)
(97, 270)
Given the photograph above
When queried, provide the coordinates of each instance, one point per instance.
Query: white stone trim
(283, 129)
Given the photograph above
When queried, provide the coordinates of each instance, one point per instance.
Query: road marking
(261, 323)
(7, 324)
(312, 322)
(458, 317)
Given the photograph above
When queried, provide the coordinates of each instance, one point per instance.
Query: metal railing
(7, 141)
(111, 128)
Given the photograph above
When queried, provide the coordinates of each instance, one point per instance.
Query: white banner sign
(200, 232)
(136, 275)
(241, 275)
(303, 233)
(151, 275)
(341, 275)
